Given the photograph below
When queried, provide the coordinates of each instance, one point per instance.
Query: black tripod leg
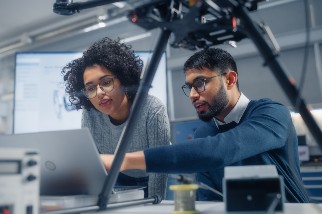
(289, 88)
(125, 137)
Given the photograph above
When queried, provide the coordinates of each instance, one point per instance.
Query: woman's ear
(126, 92)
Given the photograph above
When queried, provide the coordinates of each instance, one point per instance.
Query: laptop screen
(70, 162)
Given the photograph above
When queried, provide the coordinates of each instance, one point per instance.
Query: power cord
(186, 180)
(274, 204)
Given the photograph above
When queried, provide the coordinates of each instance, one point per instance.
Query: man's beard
(216, 106)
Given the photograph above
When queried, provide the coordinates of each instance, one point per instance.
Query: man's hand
(133, 160)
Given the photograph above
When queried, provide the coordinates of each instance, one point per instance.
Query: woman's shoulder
(91, 114)
(152, 106)
(152, 101)
(92, 111)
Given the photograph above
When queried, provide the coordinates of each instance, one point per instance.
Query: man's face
(210, 102)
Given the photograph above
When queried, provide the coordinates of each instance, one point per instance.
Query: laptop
(70, 166)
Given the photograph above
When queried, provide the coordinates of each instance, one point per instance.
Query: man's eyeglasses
(199, 85)
(106, 84)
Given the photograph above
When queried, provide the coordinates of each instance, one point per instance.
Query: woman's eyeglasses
(106, 84)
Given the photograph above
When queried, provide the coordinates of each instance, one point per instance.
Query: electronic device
(70, 162)
(72, 173)
(19, 181)
(256, 188)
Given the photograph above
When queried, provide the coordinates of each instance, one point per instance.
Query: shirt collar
(237, 112)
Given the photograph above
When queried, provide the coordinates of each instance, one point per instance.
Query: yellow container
(184, 198)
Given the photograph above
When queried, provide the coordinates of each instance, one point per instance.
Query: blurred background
(32, 26)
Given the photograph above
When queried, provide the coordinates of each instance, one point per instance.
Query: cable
(186, 180)
(274, 204)
(205, 186)
(182, 179)
(306, 53)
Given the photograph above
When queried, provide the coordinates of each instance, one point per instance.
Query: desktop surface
(209, 208)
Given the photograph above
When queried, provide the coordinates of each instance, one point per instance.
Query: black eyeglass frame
(200, 88)
(111, 78)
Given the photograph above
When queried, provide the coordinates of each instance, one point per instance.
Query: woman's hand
(107, 160)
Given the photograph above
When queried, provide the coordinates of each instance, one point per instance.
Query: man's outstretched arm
(133, 160)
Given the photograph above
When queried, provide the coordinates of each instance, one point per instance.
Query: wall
(287, 22)
(6, 94)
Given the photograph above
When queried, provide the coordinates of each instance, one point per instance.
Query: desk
(167, 207)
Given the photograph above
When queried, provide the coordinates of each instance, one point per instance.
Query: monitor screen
(40, 102)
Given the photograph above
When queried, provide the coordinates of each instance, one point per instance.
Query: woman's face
(112, 99)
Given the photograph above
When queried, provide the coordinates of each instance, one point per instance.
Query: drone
(195, 24)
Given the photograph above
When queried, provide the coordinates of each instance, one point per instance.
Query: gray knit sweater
(153, 129)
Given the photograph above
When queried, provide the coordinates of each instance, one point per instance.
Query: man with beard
(238, 131)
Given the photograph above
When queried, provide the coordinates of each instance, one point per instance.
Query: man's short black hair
(215, 59)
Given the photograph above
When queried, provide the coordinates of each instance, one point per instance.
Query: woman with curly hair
(104, 82)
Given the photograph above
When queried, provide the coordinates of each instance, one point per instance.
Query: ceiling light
(119, 4)
(137, 37)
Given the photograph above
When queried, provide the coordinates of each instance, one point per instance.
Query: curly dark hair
(115, 56)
